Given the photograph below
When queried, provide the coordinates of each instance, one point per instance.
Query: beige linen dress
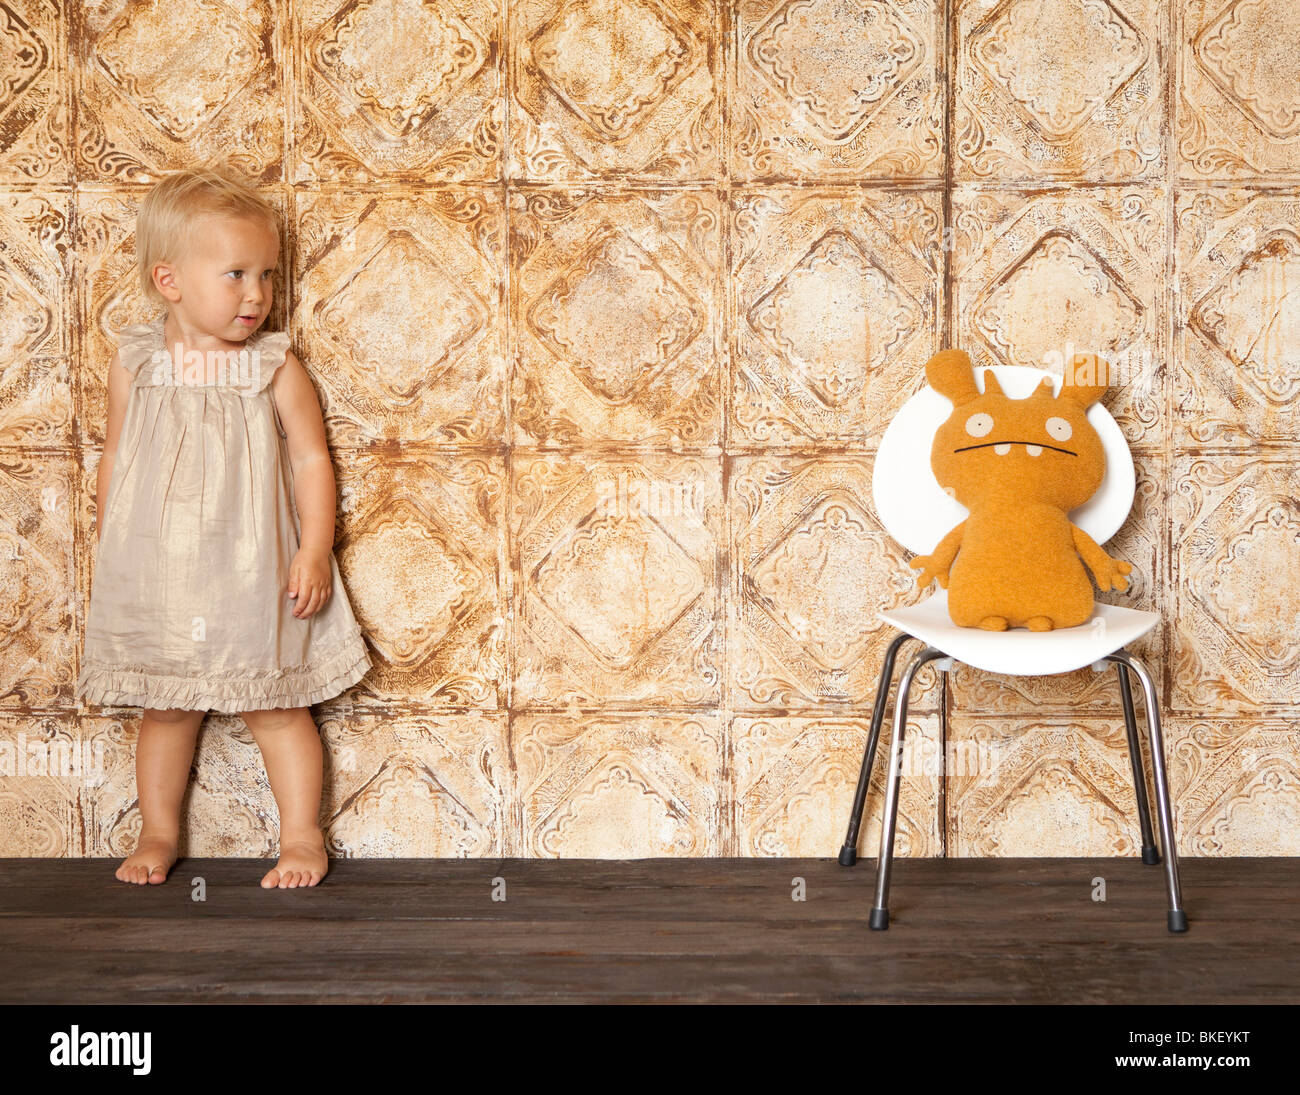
(188, 606)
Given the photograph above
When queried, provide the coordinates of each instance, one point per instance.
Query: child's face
(224, 282)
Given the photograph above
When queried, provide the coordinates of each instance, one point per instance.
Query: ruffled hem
(227, 693)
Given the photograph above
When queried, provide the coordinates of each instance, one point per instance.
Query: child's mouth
(248, 321)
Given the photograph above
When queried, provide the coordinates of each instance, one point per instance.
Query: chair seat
(1017, 651)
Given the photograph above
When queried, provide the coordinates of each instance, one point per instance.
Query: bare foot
(149, 863)
(303, 862)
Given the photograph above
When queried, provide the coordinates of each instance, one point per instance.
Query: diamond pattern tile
(608, 304)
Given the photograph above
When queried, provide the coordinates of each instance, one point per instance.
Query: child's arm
(1108, 572)
(119, 389)
(310, 578)
(937, 564)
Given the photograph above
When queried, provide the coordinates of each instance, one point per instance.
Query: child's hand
(310, 582)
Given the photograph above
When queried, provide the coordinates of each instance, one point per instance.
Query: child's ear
(1086, 380)
(950, 373)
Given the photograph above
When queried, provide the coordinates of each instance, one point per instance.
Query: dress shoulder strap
(271, 347)
(137, 344)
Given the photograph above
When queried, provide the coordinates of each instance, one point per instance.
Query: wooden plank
(703, 930)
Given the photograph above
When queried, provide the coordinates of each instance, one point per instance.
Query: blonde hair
(167, 218)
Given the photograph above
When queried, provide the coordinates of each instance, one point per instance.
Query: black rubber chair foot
(1177, 920)
(880, 919)
(1150, 856)
(848, 856)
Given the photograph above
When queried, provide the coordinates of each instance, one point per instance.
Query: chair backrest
(917, 512)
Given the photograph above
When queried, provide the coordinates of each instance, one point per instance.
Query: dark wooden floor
(651, 930)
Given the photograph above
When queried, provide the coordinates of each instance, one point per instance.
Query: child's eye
(1060, 429)
(235, 273)
(979, 425)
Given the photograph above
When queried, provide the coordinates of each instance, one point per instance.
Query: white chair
(918, 514)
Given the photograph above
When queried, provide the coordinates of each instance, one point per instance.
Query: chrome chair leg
(879, 920)
(1177, 918)
(849, 853)
(1150, 853)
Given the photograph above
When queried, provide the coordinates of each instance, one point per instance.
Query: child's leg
(291, 751)
(164, 753)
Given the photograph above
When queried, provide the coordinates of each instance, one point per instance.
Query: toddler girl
(215, 583)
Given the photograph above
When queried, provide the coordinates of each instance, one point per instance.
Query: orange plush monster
(1019, 466)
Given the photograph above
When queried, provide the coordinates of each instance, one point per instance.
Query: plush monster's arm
(936, 564)
(1108, 572)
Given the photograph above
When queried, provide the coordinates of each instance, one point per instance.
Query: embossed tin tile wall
(608, 303)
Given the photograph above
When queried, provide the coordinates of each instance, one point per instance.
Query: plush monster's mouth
(1004, 447)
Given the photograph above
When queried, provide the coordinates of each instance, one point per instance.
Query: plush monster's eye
(1059, 428)
(979, 425)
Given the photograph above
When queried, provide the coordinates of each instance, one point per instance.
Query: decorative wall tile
(230, 810)
(834, 311)
(1046, 274)
(416, 785)
(1240, 786)
(35, 340)
(1238, 332)
(35, 143)
(43, 763)
(604, 87)
(608, 305)
(618, 786)
(1141, 542)
(824, 89)
(795, 779)
(107, 806)
(812, 568)
(163, 84)
(616, 565)
(408, 89)
(399, 311)
(421, 551)
(106, 298)
(616, 317)
(1062, 787)
(1060, 88)
(1236, 537)
(38, 647)
(1238, 67)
